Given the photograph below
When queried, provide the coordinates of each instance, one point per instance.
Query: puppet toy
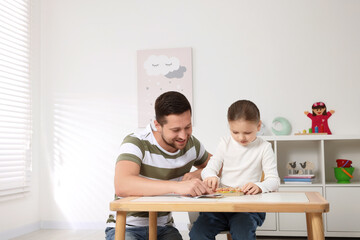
(319, 118)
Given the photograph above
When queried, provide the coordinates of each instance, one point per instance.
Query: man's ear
(157, 125)
(259, 126)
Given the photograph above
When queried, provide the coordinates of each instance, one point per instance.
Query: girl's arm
(272, 181)
(215, 163)
(213, 167)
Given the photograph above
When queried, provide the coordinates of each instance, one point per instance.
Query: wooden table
(310, 203)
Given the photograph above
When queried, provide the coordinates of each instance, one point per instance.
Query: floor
(99, 235)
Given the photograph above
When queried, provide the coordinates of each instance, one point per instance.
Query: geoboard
(229, 191)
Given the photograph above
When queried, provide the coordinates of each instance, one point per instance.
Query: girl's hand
(332, 111)
(306, 112)
(251, 189)
(212, 182)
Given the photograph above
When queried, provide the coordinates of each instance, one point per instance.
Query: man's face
(175, 132)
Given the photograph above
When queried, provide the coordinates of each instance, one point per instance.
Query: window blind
(15, 99)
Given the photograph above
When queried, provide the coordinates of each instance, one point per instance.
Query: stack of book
(299, 179)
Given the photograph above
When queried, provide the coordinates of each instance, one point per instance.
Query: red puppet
(319, 118)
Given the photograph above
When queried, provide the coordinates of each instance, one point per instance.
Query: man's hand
(192, 175)
(193, 187)
(251, 189)
(197, 173)
(212, 182)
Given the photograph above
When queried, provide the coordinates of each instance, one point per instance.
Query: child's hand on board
(212, 182)
(251, 189)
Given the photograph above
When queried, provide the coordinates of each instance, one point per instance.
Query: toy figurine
(319, 118)
(307, 166)
(291, 167)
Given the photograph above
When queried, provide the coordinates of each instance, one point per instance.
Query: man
(158, 161)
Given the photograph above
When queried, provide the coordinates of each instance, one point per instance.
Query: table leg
(315, 224)
(120, 226)
(152, 225)
(309, 227)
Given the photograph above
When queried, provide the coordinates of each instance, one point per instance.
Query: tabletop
(266, 202)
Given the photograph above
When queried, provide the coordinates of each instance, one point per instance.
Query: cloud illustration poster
(159, 71)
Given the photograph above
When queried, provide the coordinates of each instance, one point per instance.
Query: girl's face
(319, 111)
(244, 132)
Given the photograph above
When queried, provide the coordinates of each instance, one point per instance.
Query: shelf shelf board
(301, 185)
(351, 184)
(310, 137)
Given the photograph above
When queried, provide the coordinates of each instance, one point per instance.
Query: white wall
(283, 55)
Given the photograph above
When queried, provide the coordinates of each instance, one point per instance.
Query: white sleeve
(272, 181)
(215, 163)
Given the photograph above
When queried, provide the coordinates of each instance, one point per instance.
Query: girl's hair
(243, 109)
(318, 105)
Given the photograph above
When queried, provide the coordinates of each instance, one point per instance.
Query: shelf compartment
(300, 151)
(341, 149)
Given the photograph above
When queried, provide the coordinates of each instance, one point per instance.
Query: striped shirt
(157, 163)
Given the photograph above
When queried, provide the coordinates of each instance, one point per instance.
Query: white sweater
(244, 164)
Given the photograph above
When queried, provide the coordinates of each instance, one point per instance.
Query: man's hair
(243, 109)
(170, 103)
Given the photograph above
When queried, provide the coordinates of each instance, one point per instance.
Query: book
(297, 179)
(300, 176)
(298, 182)
(215, 195)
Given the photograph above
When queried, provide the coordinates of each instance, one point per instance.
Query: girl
(320, 117)
(242, 157)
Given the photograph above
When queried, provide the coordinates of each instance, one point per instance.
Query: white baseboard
(6, 235)
(73, 225)
(13, 233)
(182, 226)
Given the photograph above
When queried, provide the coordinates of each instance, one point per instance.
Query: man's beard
(173, 145)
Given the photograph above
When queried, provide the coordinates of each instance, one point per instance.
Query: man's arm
(129, 183)
(197, 173)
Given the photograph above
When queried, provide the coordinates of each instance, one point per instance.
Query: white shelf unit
(322, 151)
